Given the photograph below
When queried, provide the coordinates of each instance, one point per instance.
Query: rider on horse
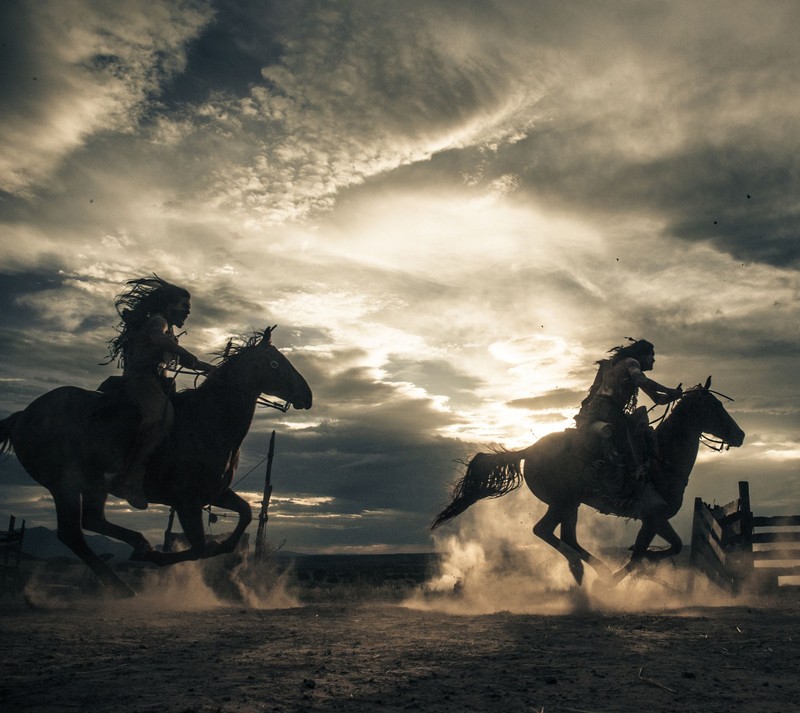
(145, 348)
(610, 410)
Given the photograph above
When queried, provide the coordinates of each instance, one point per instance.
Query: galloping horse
(69, 439)
(560, 473)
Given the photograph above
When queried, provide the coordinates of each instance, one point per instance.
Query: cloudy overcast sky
(450, 208)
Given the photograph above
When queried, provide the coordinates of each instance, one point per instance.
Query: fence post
(694, 550)
(745, 559)
(261, 535)
(11, 554)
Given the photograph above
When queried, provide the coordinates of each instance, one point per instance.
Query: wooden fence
(10, 555)
(736, 548)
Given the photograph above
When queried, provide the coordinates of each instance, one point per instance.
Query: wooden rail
(735, 548)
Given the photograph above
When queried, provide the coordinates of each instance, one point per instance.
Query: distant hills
(43, 543)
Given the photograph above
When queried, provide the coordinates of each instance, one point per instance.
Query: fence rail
(735, 548)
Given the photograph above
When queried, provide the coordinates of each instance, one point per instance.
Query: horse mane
(676, 407)
(233, 348)
(236, 345)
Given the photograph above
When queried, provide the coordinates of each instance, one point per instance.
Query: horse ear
(708, 384)
(267, 336)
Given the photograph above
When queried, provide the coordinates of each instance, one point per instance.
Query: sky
(451, 210)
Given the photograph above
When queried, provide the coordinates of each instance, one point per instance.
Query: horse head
(709, 414)
(279, 376)
(262, 368)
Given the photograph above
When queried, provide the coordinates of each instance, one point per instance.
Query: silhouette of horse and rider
(180, 449)
(613, 461)
(138, 439)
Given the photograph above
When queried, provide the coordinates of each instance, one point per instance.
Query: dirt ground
(358, 650)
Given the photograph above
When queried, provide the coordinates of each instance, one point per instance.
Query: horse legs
(68, 514)
(654, 522)
(645, 537)
(231, 501)
(568, 544)
(569, 537)
(667, 532)
(191, 518)
(94, 519)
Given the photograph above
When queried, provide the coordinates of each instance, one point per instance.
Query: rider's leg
(640, 441)
(156, 413)
(618, 452)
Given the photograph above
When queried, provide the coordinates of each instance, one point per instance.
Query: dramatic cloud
(75, 68)
(451, 210)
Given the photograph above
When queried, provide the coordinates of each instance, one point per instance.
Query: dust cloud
(492, 562)
(214, 583)
(186, 587)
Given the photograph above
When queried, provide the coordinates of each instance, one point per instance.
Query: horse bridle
(714, 444)
(260, 401)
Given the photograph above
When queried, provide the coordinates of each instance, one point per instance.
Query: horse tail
(6, 427)
(488, 475)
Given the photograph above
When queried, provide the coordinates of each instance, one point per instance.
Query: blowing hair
(145, 297)
(638, 348)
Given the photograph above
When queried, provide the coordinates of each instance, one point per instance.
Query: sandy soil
(184, 651)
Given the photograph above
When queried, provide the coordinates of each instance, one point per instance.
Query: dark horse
(559, 472)
(69, 439)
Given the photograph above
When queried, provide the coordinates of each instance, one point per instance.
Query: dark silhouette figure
(610, 411)
(145, 348)
(558, 472)
(69, 438)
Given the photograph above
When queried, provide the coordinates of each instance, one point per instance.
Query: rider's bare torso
(146, 353)
(620, 382)
(154, 346)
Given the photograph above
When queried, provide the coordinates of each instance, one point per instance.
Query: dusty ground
(349, 650)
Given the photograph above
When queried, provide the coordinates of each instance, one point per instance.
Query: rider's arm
(659, 394)
(156, 332)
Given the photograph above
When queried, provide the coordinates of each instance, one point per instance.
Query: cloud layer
(452, 210)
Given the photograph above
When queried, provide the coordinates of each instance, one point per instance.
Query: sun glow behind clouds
(404, 296)
(453, 234)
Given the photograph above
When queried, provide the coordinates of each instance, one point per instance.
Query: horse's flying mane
(235, 345)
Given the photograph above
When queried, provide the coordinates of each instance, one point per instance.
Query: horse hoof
(576, 568)
(142, 553)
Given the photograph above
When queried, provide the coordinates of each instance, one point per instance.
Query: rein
(282, 407)
(667, 408)
(260, 401)
(714, 444)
